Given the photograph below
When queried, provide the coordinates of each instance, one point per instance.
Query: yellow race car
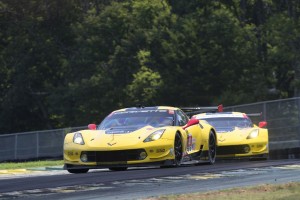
(237, 135)
(140, 136)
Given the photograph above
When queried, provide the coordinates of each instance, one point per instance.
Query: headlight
(77, 139)
(253, 134)
(155, 135)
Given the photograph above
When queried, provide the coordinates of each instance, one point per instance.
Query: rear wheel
(78, 171)
(212, 149)
(178, 150)
(117, 168)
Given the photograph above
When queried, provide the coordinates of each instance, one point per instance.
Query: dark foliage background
(69, 63)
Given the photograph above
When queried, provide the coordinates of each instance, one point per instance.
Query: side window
(182, 119)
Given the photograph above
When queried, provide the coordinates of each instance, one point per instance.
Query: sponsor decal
(160, 150)
(140, 111)
(194, 144)
(189, 142)
(117, 131)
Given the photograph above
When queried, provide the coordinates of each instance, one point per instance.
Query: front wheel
(212, 148)
(178, 150)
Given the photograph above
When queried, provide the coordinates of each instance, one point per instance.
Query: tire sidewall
(212, 158)
(177, 161)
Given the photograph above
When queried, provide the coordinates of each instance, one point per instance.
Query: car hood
(116, 137)
(234, 136)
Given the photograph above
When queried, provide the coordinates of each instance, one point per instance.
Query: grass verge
(290, 191)
(23, 165)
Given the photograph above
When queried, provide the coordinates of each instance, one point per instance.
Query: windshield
(226, 124)
(138, 119)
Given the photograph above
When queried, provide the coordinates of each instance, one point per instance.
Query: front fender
(171, 132)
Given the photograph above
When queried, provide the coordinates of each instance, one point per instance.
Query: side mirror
(191, 122)
(262, 124)
(92, 126)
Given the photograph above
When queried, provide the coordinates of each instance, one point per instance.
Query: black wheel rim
(212, 148)
(178, 150)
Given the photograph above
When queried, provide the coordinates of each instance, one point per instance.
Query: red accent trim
(262, 124)
(220, 108)
(92, 126)
(245, 116)
(191, 122)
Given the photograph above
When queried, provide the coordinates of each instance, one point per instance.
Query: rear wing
(255, 117)
(197, 110)
(254, 114)
(260, 124)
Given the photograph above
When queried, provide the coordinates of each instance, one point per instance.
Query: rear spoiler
(261, 124)
(197, 110)
(251, 115)
(254, 114)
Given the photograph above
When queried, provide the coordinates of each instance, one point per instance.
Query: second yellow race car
(140, 136)
(237, 135)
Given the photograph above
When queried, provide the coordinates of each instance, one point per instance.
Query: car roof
(221, 115)
(141, 108)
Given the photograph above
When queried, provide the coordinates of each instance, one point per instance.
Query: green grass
(22, 165)
(290, 191)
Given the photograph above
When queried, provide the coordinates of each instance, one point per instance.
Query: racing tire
(77, 171)
(212, 148)
(118, 168)
(178, 150)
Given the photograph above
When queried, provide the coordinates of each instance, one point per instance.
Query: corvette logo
(111, 144)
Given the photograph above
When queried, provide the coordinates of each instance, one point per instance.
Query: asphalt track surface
(142, 183)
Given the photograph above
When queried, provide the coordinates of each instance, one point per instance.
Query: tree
(284, 47)
(69, 63)
(34, 40)
(143, 88)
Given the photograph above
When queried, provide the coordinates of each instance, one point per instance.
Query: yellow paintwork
(258, 145)
(159, 150)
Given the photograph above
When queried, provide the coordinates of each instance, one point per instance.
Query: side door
(193, 133)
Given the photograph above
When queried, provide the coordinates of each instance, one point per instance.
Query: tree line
(69, 63)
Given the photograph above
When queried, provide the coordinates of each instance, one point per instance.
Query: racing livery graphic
(140, 136)
(237, 135)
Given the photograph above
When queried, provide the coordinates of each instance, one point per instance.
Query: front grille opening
(236, 149)
(114, 156)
